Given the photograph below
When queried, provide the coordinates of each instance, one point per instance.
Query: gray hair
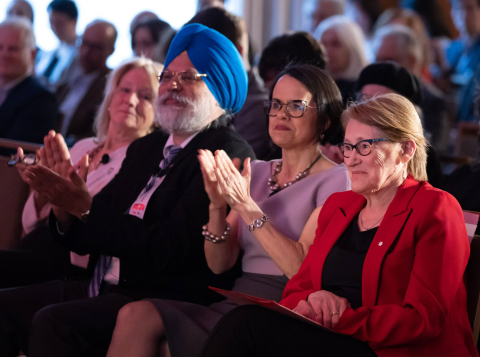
(23, 25)
(404, 36)
(102, 120)
(351, 36)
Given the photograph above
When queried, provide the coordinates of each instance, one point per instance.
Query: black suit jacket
(81, 125)
(28, 112)
(163, 253)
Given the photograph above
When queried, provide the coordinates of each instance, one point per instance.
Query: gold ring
(333, 313)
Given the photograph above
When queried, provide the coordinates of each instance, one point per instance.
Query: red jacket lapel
(335, 226)
(388, 232)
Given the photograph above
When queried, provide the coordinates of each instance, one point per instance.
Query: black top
(342, 271)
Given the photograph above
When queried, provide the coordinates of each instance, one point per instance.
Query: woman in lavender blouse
(275, 206)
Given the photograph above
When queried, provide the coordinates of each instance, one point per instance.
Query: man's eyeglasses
(186, 77)
(295, 108)
(363, 147)
(28, 159)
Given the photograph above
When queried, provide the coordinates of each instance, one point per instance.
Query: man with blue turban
(143, 231)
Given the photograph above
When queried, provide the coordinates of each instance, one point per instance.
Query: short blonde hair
(398, 120)
(102, 120)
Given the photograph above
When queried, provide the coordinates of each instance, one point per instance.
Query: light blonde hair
(398, 120)
(102, 120)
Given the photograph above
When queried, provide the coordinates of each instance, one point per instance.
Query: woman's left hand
(68, 194)
(323, 307)
(235, 186)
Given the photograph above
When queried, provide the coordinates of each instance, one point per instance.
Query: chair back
(472, 273)
(13, 195)
(472, 280)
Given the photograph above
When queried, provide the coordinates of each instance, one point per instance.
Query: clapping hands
(223, 182)
(57, 181)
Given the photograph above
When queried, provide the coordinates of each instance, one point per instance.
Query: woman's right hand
(55, 154)
(207, 166)
(323, 307)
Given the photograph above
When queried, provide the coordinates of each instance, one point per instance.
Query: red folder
(244, 299)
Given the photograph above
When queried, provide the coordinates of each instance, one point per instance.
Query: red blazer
(413, 296)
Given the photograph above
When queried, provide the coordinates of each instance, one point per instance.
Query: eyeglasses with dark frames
(363, 147)
(185, 77)
(295, 108)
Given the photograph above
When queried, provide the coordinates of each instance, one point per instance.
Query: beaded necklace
(273, 181)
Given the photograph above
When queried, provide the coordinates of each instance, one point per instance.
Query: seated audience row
(27, 110)
(303, 103)
(143, 231)
(156, 227)
(369, 276)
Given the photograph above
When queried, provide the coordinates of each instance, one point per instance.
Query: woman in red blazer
(385, 272)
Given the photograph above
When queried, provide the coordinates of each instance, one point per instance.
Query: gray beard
(196, 115)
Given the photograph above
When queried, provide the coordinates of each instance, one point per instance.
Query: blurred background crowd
(436, 41)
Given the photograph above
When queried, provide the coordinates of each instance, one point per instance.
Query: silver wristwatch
(258, 223)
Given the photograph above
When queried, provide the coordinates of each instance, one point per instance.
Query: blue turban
(214, 54)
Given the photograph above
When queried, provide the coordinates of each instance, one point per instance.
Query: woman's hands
(55, 155)
(207, 166)
(56, 180)
(235, 187)
(65, 194)
(212, 177)
(323, 307)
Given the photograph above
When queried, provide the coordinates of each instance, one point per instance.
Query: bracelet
(214, 238)
(84, 216)
(258, 223)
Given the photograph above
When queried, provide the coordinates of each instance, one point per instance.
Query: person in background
(54, 67)
(345, 47)
(142, 17)
(297, 47)
(151, 39)
(436, 16)
(412, 20)
(323, 9)
(463, 57)
(23, 8)
(366, 12)
(81, 96)
(370, 275)
(126, 114)
(250, 122)
(27, 109)
(270, 254)
(400, 44)
(205, 4)
(463, 182)
(389, 77)
(20, 8)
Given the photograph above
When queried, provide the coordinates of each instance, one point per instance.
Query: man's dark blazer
(28, 112)
(163, 252)
(81, 125)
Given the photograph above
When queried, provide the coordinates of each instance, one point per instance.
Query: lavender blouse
(288, 210)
